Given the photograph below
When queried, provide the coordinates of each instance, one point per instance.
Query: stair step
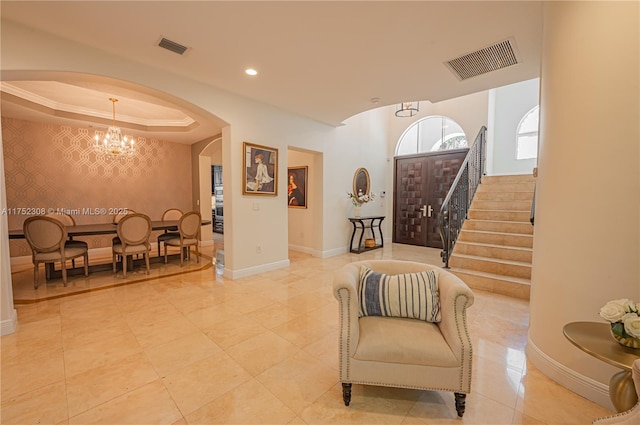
(498, 252)
(506, 187)
(504, 196)
(494, 249)
(513, 178)
(496, 238)
(489, 265)
(518, 216)
(524, 228)
(509, 286)
(502, 205)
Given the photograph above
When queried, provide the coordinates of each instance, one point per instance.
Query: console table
(595, 339)
(362, 223)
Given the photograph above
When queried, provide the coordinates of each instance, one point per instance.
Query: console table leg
(622, 391)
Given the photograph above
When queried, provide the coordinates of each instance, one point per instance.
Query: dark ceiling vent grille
(178, 48)
(492, 58)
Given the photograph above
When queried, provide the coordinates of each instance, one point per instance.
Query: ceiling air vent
(178, 48)
(492, 58)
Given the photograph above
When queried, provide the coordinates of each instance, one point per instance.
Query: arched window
(430, 134)
(527, 137)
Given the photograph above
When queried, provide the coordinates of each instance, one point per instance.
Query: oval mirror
(361, 182)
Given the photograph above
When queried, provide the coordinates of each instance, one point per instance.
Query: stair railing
(456, 205)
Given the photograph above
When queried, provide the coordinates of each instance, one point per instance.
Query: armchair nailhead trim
(618, 415)
(344, 300)
(413, 387)
(463, 353)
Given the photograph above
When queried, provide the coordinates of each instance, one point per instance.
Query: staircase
(494, 249)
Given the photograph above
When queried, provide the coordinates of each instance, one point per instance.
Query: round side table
(595, 339)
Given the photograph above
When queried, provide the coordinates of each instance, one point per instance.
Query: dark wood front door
(421, 183)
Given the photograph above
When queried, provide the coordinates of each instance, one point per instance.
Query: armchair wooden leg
(460, 403)
(346, 393)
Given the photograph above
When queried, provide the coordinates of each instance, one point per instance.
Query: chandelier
(407, 109)
(114, 143)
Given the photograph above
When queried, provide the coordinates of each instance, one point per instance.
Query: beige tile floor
(195, 349)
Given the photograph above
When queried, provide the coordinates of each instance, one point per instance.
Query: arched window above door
(527, 137)
(430, 134)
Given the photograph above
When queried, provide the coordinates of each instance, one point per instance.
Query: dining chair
(170, 214)
(133, 234)
(68, 220)
(115, 220)
(188, 229)
(47, 238)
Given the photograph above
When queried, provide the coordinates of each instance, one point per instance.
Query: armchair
(400, 351)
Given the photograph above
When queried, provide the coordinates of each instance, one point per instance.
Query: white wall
(587, 236)
(509, 105)
(304, 235)
(210, 155)
(204, 172)
(361, 142)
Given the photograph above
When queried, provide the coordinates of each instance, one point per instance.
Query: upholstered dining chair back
(68, 220)
(44, 234)
(134, 229)
(189, 225)
(133, 238)
(47, 238)
(188, 230)
(172, 214)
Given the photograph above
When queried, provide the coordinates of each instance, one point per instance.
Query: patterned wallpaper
(51, 166)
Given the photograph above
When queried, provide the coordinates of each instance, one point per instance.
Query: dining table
(95, 229)
(105, 228)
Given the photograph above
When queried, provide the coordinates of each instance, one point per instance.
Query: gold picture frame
(297, 183)
(260, 170)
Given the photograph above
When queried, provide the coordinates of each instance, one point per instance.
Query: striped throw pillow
(412, 295)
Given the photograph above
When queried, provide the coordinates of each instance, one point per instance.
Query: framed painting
(260, 170)
(297, 186)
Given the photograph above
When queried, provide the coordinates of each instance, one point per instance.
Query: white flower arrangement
(361, 198)
(623, 316)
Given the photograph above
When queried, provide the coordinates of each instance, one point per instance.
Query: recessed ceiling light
(251, 71)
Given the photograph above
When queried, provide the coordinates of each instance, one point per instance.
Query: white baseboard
(303, 249)
(8, 326)
(333, 252)
(306, 250)
(568, 378)
(250, 271)
(519, 173)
